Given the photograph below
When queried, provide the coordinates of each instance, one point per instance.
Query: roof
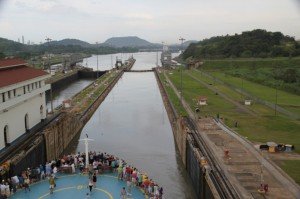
(271, 144)
(202, 98)
(13, 71)
(4, 63)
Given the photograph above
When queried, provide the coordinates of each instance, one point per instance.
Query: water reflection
(67, 92)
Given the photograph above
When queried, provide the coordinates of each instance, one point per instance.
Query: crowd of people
(98, 163)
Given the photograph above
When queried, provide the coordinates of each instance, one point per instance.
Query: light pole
(51, 95)
(97, 60)
(276, 96)
(86, 142)
(181, 39)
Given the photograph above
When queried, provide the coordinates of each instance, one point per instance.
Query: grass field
(287, 100)
(172, 96)
(261, 128)
(291, 167)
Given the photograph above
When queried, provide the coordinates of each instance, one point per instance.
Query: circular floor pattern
(76, 187)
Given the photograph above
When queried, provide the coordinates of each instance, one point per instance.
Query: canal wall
(188, 148)
(176, 121)
(60, 133)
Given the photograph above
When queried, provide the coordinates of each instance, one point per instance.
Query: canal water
(132, 123)
(67, 92)
(144, 60)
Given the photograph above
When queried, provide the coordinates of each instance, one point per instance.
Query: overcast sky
(153, 20)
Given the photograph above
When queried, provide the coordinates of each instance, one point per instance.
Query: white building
(22, 99)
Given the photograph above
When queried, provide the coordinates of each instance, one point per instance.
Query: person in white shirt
(2, 188)
(54, 171)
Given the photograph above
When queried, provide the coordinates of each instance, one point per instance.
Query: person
(26, 184)
(2, 188)
(120, 172)
(54, 172)
(51, 183)
(7, 189)
(73, 167)
(123, 193)
(91, 185)
(161, 192)
(129, 184)
(94, 179)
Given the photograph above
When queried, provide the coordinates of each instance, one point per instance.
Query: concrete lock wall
(33, 154)
(60, 133)
(190, 154)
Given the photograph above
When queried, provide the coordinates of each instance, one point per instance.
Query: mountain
(67, 42)
(131, 41)
(255, 43)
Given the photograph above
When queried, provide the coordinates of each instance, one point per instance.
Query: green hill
(255, 43)
(131, 41)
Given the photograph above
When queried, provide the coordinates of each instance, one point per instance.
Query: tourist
(94, 178)
(123, 193)
(54, 172)
(7, 189)
(51, 183)
(26, 184)
(42, 171)
(129, 184)
(161, 191)
(91, 184)
(73, 168)
(2, 188)
(120, 172)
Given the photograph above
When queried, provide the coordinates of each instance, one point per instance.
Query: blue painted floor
(75, 186)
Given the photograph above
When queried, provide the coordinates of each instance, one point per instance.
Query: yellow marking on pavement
(79, 187)
(61, 189)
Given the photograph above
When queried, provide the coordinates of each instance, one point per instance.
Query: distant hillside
(75, 42)
(10, 46)
(256, 43)
(188, 42)
(131, 41)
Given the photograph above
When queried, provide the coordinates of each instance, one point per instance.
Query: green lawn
(261, 128)
(291, 167)
(172, 96)
(287, 100)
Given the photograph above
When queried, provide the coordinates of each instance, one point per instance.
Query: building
(166, 57)
(22, 99)
(202, 100)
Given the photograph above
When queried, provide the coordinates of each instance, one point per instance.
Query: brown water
(132, 123)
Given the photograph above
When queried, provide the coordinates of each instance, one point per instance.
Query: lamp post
(181, 39)
(97, 60)
(86, 142)
(51, 95)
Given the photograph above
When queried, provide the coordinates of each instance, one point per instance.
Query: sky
(153, 20)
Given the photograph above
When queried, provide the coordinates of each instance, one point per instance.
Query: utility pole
(182, 40)
(48, 43)
(97, 60)
(276, 96)
(51, 95)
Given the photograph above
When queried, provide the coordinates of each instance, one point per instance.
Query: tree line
(255, 43)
